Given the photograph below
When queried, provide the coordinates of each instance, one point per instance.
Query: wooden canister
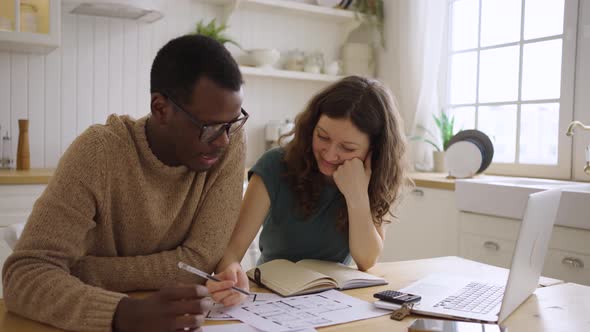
(23, 154)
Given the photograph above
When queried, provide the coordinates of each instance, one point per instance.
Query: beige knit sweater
(116, 219)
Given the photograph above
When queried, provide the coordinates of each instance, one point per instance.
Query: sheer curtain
(413, 64)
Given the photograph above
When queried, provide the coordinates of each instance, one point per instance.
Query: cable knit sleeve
(36, 277)
(203, 247)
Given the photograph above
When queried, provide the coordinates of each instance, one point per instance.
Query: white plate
(463, 159)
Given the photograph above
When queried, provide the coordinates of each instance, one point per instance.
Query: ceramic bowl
(264, 57)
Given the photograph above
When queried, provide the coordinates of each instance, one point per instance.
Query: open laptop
(493, 300)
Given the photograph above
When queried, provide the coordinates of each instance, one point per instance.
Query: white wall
(102, 67)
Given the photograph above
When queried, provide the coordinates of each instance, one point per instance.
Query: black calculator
(397, 297)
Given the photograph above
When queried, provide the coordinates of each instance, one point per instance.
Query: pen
(202, 274)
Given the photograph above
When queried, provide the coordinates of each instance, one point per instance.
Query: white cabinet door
(569, 255)
(487, 239)
(426, 226)
(16, 202)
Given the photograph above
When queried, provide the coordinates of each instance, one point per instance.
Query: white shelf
(286, 74)
(285, 6)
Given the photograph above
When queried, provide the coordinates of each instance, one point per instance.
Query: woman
(326, 193)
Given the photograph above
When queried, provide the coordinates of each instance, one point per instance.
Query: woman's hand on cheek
(352, 178)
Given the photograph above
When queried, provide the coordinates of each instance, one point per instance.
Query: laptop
(491, 300)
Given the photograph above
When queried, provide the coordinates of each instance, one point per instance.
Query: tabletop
(558, 307)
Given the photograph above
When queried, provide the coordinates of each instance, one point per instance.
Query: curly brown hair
(371, 108)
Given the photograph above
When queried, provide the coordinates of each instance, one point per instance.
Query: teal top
(286, 234)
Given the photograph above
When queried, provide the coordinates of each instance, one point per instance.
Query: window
(511, 75)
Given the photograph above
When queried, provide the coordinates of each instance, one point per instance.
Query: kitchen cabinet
(16, 203)
(426, 226)
(30, 25)
(492, 240)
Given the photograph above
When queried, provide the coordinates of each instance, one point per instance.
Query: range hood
(141, 10)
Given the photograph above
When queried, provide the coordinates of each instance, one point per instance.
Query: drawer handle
(573, 262)
(418, 192)
(491, 245)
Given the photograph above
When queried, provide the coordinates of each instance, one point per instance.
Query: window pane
(464, 118)
(499, 123)
(463, 77)
(498, 80)
(541, 75)
(500, 21)
(543, 18)
(539, 131)
(464, 25)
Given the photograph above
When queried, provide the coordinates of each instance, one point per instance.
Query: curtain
(413, 64)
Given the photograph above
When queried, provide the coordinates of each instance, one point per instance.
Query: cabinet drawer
(502, 228)
(16, 202)
(487, 249)
(570, 240)
(568, 266)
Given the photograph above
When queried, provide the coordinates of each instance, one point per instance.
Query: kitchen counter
(32, 176)
(433, 180)
(42, 176)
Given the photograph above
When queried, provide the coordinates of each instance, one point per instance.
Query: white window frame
(563, 169)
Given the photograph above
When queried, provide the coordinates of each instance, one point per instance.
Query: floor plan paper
(299, 312)
(239, 328)
(218, 312)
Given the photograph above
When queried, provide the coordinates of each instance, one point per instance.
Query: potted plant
(445, 125)
(371, 12)
(215, 31)
(359, 50)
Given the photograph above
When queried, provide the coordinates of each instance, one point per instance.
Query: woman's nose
(331, 154)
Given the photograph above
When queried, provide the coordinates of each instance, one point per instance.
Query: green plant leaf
(215, 31)
(422, 138)
(426, 130)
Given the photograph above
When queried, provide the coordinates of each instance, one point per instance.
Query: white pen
(202, 274)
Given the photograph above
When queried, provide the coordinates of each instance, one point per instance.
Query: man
(132, 198)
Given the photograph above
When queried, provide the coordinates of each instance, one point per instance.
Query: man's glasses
(210, 132)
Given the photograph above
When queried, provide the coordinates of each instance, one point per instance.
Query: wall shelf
(301, 9)
(287, 74)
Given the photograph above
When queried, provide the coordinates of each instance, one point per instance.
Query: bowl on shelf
(328, 3)
(263, 57)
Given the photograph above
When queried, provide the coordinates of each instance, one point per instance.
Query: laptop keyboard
(475, 297)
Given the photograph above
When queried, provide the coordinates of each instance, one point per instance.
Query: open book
(310, 276)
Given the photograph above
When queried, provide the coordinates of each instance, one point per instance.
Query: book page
(287, 278)
(345, 276)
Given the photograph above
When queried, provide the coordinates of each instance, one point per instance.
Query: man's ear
(160, 108)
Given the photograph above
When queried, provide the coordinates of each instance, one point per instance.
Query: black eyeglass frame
(224, 126)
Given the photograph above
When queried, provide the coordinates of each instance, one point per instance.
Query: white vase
(438, 158)
(357, 59)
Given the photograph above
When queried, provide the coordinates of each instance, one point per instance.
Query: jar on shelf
(294, 60)
(29, 18)
(314, 62)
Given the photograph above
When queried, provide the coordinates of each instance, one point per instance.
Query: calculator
(397, 297)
